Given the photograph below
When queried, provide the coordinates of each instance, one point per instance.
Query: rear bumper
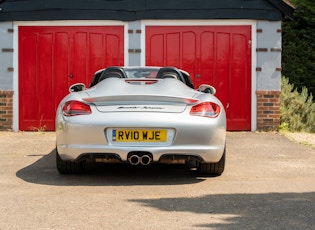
(202, 138)
(204, 153)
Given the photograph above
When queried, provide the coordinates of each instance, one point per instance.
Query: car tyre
(68, 167)
(212, 169)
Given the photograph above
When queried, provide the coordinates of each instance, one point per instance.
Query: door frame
(251, 23)
(16, 26)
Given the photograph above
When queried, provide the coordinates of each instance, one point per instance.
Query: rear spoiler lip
(126, 99)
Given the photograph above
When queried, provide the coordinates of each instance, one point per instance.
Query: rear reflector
(206, 109)
(75, 108)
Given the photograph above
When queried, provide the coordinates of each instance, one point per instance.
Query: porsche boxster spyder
(141, 116)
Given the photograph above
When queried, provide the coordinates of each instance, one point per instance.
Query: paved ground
(269, 183)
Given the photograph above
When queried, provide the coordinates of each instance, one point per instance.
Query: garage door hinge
(134, 50)
(7, 50)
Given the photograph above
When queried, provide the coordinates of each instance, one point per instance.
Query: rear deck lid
(121, 95)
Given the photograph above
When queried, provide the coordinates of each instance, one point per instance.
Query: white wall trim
(70, 23)
(16, 26)
(15, 79)
(126, 44)
(252, 23)
(254, 78)
(223, 22)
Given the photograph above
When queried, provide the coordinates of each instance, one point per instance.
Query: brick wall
(268, 110)
(6, 110)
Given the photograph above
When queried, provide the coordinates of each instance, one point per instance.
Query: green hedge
(298, 45)
(297, 110)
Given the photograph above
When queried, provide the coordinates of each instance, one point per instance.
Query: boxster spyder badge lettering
(141, 115)
(139, 107)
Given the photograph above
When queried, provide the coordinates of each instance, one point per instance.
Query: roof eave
(285, 7)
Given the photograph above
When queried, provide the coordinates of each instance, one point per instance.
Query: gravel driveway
(269, 183)
(302, 138)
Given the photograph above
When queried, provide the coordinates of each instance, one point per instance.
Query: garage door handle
(71, 76)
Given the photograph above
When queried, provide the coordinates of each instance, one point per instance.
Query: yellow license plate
(131, 135)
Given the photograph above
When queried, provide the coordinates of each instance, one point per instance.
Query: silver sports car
(141, 116)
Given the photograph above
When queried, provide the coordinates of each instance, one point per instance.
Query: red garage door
(215, 55)
(53, 58)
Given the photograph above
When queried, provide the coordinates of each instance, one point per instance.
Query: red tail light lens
(75, 108)
(206, 109)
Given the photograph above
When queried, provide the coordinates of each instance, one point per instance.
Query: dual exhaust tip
(135, 159)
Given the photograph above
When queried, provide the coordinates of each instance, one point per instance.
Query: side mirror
(207, 89)
(77, 87)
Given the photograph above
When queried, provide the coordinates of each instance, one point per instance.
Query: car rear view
(141, 121)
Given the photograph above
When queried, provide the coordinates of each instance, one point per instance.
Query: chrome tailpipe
(145, 160)
(135, 159)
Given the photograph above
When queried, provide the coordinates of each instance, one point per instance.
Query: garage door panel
(215, 55)
(52, 58)
(61, 67)
(28, 74)
(207, 55)
(189, 55)
(44, 77)
(173, 45)
(223, 50)
(156, 47)
(114, 50)
(240, 103)
(79, 57)
(239, 65)
(96, 54)
(221, 78)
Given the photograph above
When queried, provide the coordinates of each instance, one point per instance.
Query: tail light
(75, 108)
(205, 109)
